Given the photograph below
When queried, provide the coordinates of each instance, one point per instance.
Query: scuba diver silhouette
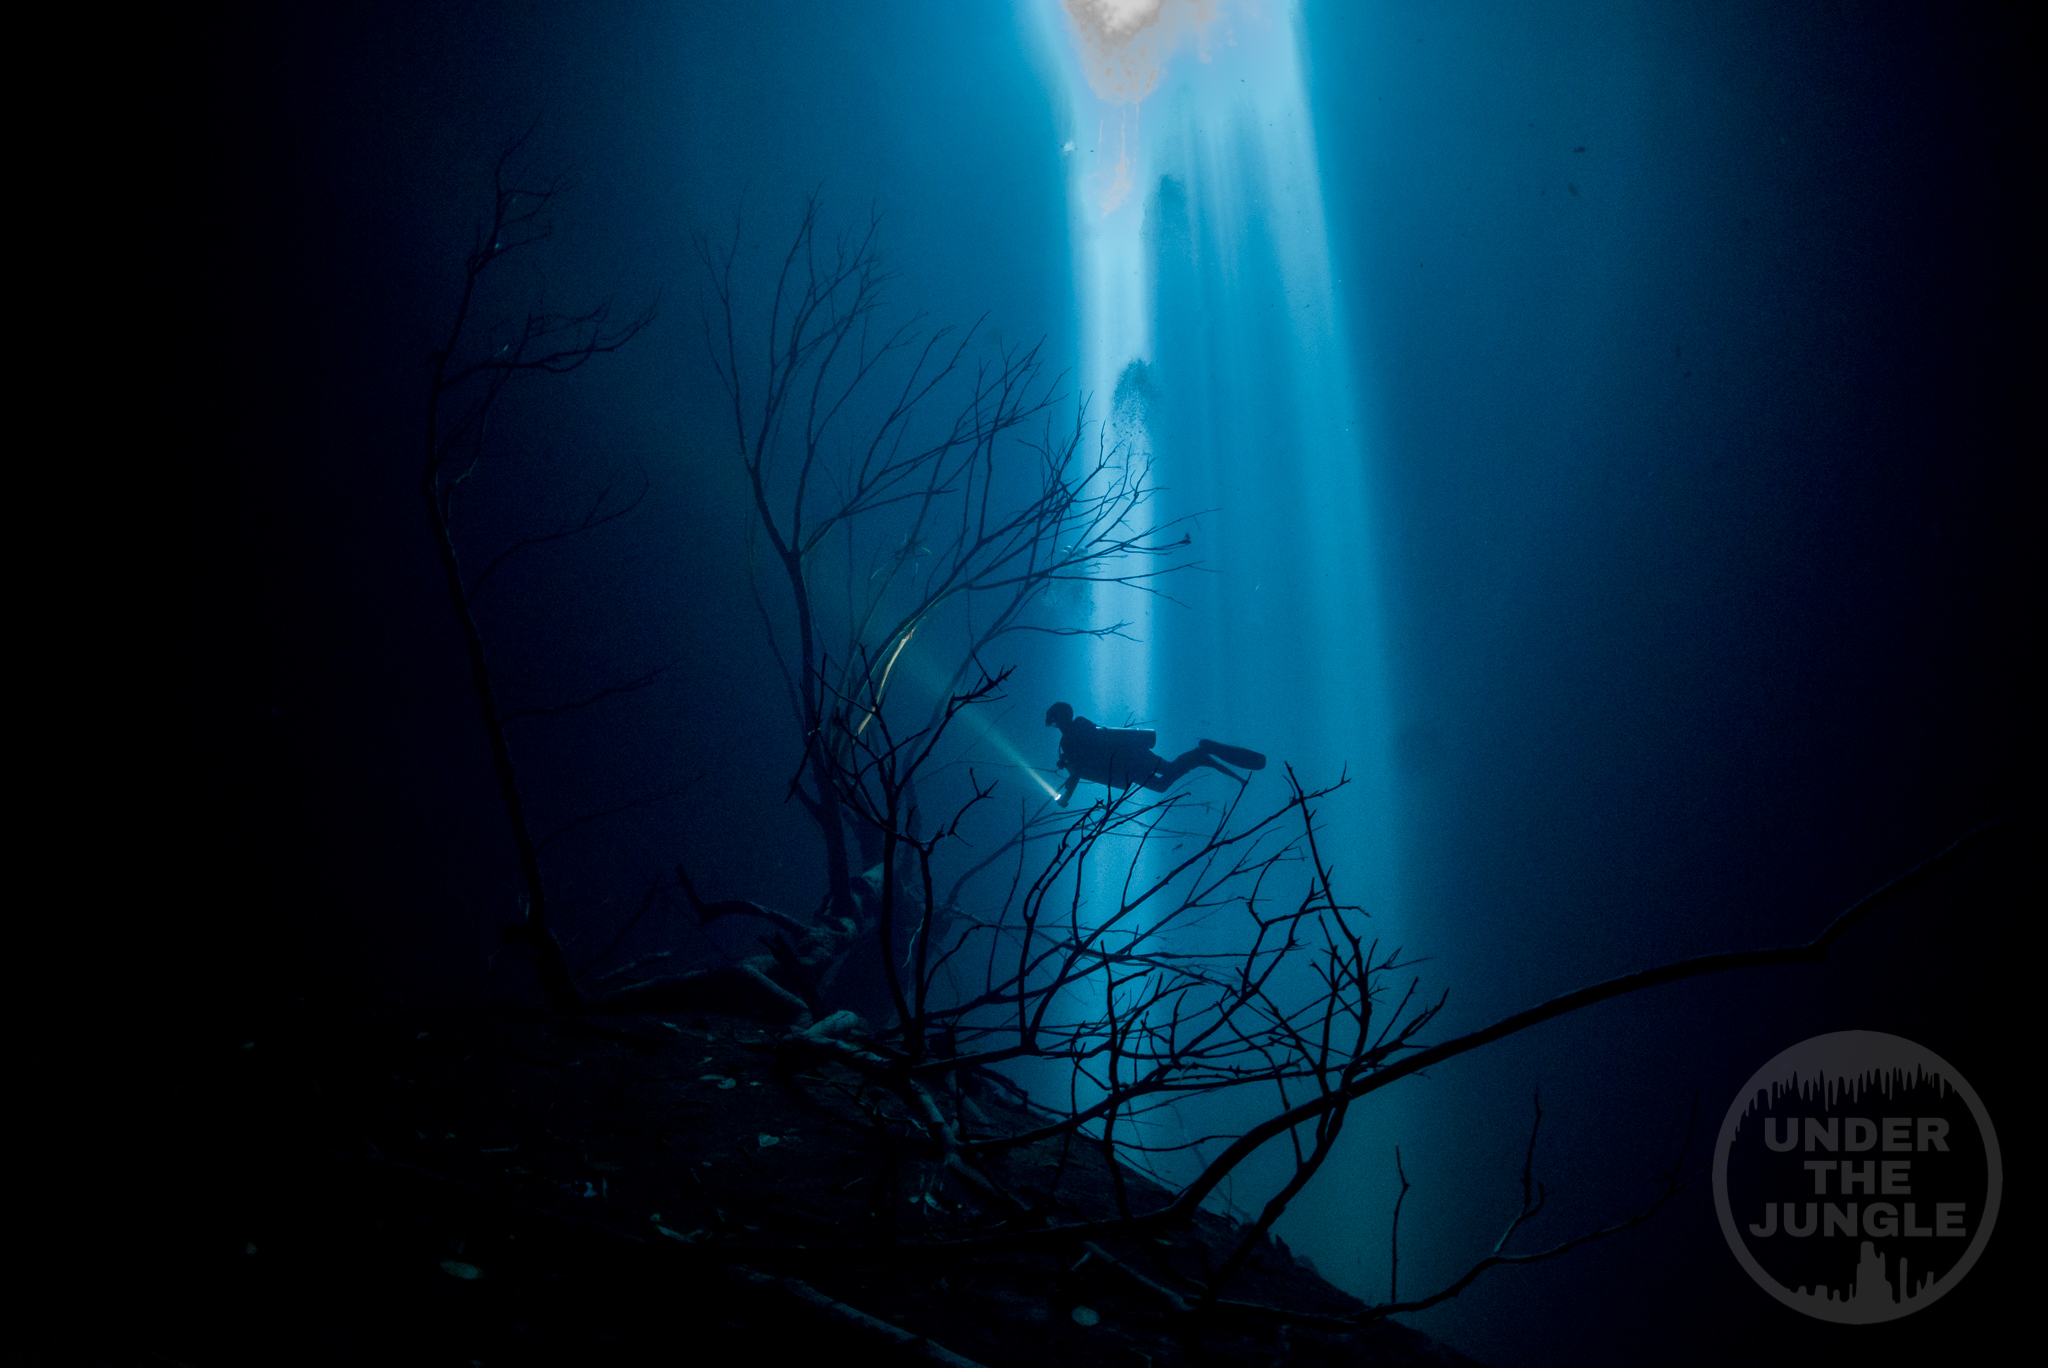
(1121, 758)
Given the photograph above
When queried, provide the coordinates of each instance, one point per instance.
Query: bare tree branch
(469, 375)
(1397, 1057)
(1530, 1207)
(633, 685)
(868, 441)
(598, 816)
(911, 505)
(590, 521)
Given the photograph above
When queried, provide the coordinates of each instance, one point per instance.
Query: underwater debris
(696, 1236)
(841, 1025)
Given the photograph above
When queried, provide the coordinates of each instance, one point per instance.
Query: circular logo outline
(1846, 1053)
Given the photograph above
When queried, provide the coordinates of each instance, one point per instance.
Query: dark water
(1610, 432)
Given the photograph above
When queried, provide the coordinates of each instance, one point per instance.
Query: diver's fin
(1236, 755)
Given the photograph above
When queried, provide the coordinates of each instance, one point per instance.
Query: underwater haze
(1606, 435)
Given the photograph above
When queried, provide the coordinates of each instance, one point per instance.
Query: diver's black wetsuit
(1119, 758)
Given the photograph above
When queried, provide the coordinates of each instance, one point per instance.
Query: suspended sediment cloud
(1124, 44)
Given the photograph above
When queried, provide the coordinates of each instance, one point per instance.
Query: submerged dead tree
(909, 502)
(908, 497)
(1210, 958)
(914, 499)
(1150, 953)
(471, 371)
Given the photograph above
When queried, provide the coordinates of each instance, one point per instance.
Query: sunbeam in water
(1212, 344)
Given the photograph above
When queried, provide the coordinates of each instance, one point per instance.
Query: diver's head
(1059, 714)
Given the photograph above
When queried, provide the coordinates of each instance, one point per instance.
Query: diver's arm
(1073, 782)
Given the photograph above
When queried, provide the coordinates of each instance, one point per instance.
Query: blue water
(1594, 423)
(1209, 314)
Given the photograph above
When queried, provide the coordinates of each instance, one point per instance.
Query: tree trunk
(534, 932)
